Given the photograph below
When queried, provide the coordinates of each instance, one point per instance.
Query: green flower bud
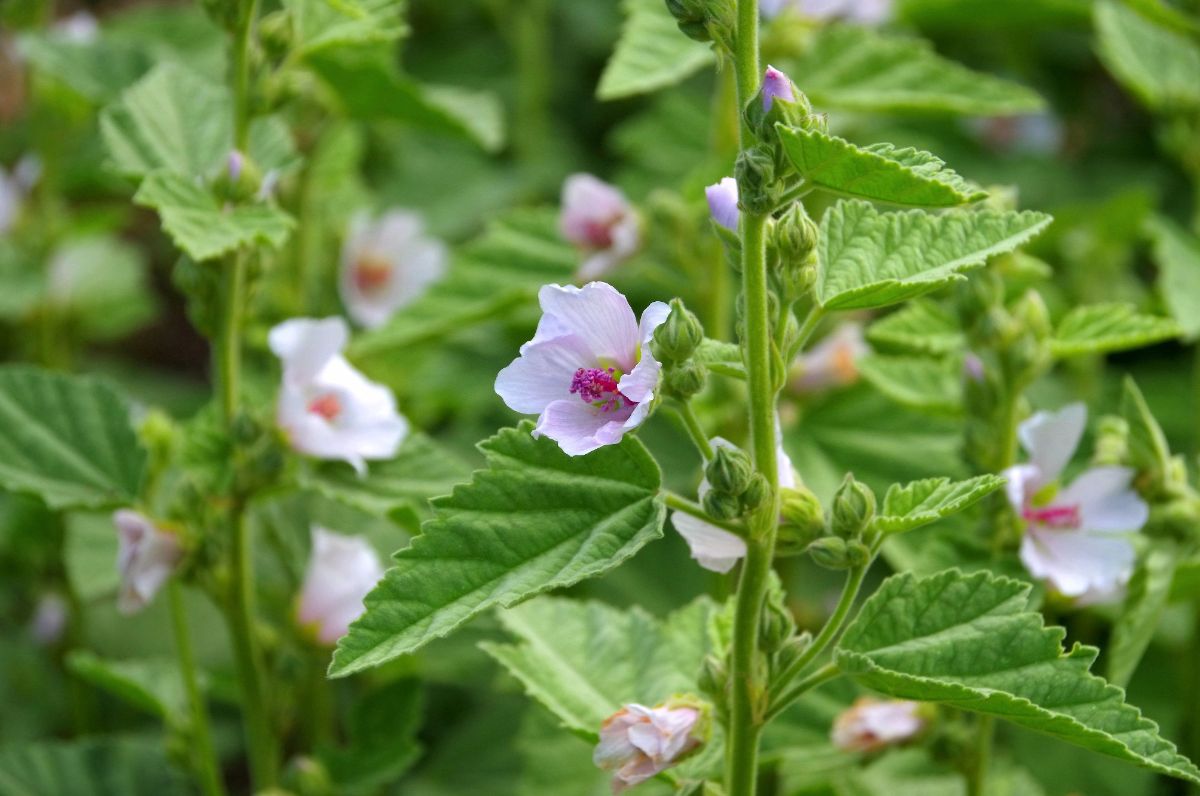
(306, 776)
(691, 18)
(240, 180)
(729, 471)
(830, 552)
(275, 33)
(795, 237)
(776, 625)
(678, 337)
(1031, 314)
(857, 553)
(853, 508)
(792, 649)
(801, 515)
(759, 188)
(1112, 442)
(685, 380)
(714, 676)
(722, 506)
(756, 493)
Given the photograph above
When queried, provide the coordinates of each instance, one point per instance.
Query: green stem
(247, 10)
(826, 673)
(977, 777)
(806, 330)
(694, 429)
(205, 757)
(680, 503)
(531, 43)
(229, 337)
(828, 632)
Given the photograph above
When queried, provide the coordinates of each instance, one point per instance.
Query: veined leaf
(583, 660)
(66, 439)
(921, 502)
(919, 327)
(154, 686)
(1177, 254)
(872, 259)
(1147, 444)
(931, 385)
(879, 172)
(534, 520)
(970, 642)
(855, 68)
(101, 767)
(1157, 64)
(97, 70)
(321, 24)
(203, 228)
(1149, 590)
(383, 726)
(1099, 328)
(651, 54)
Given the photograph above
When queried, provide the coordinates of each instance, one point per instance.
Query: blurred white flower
(872, 724)
(387, 263)
(79, 28)
(341, 571)
(637, 742)
(14, 187)
(723, 202)
(49, 619)
(327, 408)
(597, 218)
(1030, 133)
(833, 362)
(146, 558)
(864, 12)
(1076, 538)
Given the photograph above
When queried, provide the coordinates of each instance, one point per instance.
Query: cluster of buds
(674, 344)
(847, 544)
(735, 488)
(706, 20)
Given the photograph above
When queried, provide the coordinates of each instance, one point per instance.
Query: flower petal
(580, 428)
(1105, 500)
(714, 549)
(1050, 438)
(1076, 562)
(542, 373)
(599, 315)
(305, 345)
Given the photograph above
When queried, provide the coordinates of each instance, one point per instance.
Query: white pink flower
(833, 362)
(588, 372)
(597, 218)
(871, 724)
(723, 202)
(146, 558)
(327, 408)
(387, 263)
(637, 742)
(1076, 538)
(341, 571)
(714, 548)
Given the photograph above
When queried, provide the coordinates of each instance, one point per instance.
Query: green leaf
(1177, 254)
(534, 520)
(1148, 449)
(970, 642)
(919, 327)
(97, 70)
(872, 259)
(383, 726)
(651, 54)
(879, 172)
(327, 24)
(204, 229)
(1156, 64)
(922, 502)
(922, 383)
(1100, 328)
(1145, 601)
(66, 439)
(150, 685)
(854, 68)
(101, 767)
(100, 281)
(583, 660)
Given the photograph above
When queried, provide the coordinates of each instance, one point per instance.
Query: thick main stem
(247, 10)
(205, 757)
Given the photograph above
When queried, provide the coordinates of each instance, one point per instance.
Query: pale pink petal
(341, 571)
(723, 202)
(580, 428)
(305, 345)
(599, 315)
(1050, 438)
(714, 549)
(1075, 562)
(1022, 481)
(1105, 500)
(543, 372)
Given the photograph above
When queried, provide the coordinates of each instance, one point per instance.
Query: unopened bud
(722, 506)
(685, 380)
(240, 180)
(1031, 313)
(1112, 442)
(722, 198)
(758, 187)
(714, 676)
(678, 337)
(275, 33)
(853, 508)
(729, 471)
(691, 18)
(776, 626)
(792, 649)
(779, 102)
(830, 552)
(756, 493)
(801, 513)
(306, 776)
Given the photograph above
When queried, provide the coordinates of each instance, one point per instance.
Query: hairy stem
(977, 776)
(204, 756)
(247, 10)
(693, 427)
(691, 507)
(801, 687)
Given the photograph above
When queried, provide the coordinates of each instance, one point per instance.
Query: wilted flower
(714, 548)
(146, 557)
(49, 619)
(588, 373)
(872, 724)
(776, 85)
(637, 742)
(387, 263)
(1076, 538)
(327, 408)
(341, 571)
(597, 218)
(833, 362)
(723, 202)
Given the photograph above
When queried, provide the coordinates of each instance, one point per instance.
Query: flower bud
(829, 552)
(758, 186)
(704, 20)
(1031, 313)
(275, 33)
(729, 471)
(756, 493)
(795, 237)
(872, 724)
(713, 677)
(240, 180)
(792, 649)
(776, 625)
(685, 380)
(722, 506)
(801, 515)
(776, 85)
(307, 776)
(679, 336)
(853, 508)
(638, 742)
(1112, 441)
(779, 102)
(723, 202)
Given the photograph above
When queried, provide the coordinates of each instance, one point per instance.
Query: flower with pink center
(597, 218)
(714, 548)
(387, 263)
(588, 372)
(776, 85)
(146, 557)
(341, 571)
(833, 362)
(637, 742)
(872, 724)
(723, 202)
(327, 408)
(1076, 538)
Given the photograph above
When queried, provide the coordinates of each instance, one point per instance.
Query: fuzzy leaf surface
(922, 383)
(534, 520)
(1100, 328)
(969, 641)
(651, 54)
(99, 767)
(919, 327)
(922, 502)
(1159, 65)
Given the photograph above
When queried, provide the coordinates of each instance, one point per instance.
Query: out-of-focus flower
(341, 571)
(49, 619)
(714, 548)
(872, 724)
(146, 558)
(1076, 538)
(327, 408)
(388, 263)
(588, 373)
(833, 362)
(14, 187)
(1030, 133)
(973, 367)
(637, 742)
(776, 85)
(597, 218)
(723, 202)
(864, 12)
(79, 28)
